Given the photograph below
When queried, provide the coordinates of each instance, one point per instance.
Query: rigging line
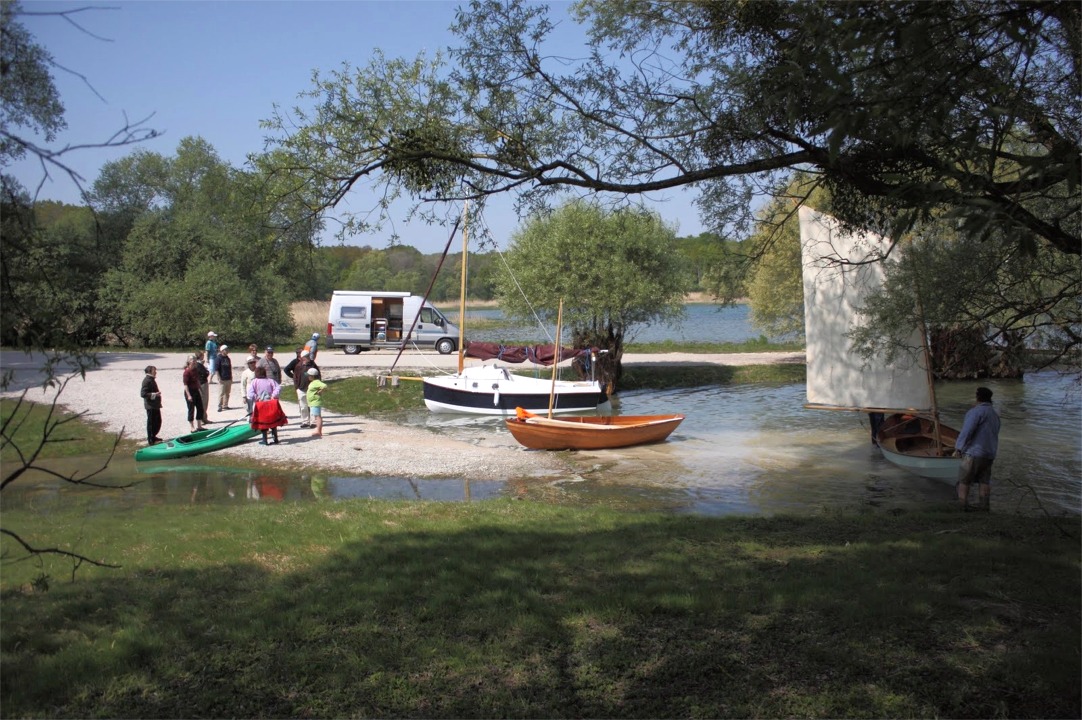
(522, 292)
(431, 283)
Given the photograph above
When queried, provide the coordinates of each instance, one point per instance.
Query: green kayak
(197, 443)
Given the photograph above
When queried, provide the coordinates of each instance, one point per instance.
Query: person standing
(267, 413)
(312, 346)
(978, 443)
(246, 379)
(253, 352)
(270, 365)
(152, 402)
(315, 400)
(190, 379)
(298, 370)
(212, 353)
(225, 377)
(204, 387)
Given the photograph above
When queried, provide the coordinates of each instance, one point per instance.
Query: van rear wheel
(351, 349)
(445, 346)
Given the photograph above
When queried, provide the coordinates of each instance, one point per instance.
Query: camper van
(362, 320)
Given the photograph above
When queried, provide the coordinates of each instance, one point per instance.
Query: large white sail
(837, 278)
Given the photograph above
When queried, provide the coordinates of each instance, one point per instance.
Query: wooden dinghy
(197, 443)
(589, 433)
(910, 443)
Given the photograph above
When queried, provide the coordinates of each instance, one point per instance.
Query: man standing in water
(978, 444)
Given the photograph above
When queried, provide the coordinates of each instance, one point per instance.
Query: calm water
(741, 450)
(702, 323)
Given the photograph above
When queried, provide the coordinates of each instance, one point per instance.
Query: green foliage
(612, 270)
(28, 97)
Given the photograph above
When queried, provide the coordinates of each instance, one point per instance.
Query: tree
(903, 109)
(199, 252)
(613, 270)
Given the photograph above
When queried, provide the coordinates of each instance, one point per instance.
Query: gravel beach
(110, 397)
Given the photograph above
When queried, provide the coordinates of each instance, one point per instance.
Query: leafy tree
(199, 253)
(904, 109)
(613, 270)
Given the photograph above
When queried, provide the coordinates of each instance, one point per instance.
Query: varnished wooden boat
(909, 442)
(589, 433)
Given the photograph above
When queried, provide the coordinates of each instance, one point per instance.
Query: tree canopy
(963, 108)
(613, 270)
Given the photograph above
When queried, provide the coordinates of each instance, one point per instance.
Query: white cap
(313, 371)
(223, 348)
(315, 335)
(212, 334)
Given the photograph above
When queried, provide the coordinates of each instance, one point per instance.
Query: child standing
(315, 400)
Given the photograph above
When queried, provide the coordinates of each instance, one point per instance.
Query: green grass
(516, 609)
(71, 436)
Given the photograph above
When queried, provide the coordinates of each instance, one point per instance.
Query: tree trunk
(965, 353)
(608, 367)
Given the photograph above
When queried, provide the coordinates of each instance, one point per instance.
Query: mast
(462, 287)
(556, 356)
(928, 374)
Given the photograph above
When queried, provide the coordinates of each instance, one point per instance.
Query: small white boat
(494, 390)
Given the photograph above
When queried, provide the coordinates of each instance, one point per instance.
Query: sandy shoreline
(110, 397)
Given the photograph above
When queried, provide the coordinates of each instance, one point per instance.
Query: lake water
(701, 323)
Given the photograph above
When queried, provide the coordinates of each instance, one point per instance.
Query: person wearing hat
(246, 378)
(225, 377)
(268, 363)
(312, 346)
(212, 353)
(298, 370)
(315, 400)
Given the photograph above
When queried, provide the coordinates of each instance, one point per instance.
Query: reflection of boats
(197, 443)
(493, 390)
(841, 269)
(910, 442)
(590, 433)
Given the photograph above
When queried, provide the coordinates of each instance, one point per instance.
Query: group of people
(261, 382)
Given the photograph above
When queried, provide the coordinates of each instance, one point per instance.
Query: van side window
(429, 315)
(354, 312)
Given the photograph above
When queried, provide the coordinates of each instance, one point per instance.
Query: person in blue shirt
(978, 444)
(212, 353)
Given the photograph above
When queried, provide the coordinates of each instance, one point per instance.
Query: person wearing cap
(315, 400)
(312, 346)
(225, 377)
(298, 370)
(212, 353)
(246, 379)
(268, 363)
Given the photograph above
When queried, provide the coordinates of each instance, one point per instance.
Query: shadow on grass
(572, 615)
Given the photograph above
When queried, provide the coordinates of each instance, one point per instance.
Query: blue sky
(215, 69)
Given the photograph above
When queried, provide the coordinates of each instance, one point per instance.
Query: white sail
(835, 285)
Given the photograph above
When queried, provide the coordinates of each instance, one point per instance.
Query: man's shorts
(975, 470)
(317, 411)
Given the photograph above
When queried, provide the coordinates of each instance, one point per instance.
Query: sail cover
(835, 285)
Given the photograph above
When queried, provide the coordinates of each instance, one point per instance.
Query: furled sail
(537, 354)
(839, 272)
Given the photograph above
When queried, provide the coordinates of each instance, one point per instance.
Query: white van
(364, 319)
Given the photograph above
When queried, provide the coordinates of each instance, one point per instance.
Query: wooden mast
(929, 375)
(462, 287)
(556, 356)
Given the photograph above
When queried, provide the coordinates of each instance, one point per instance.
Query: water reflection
(741, 450)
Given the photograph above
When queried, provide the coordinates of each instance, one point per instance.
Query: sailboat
(492, 389)
(840, 270)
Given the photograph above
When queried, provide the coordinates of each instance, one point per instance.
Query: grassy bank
(514, 609)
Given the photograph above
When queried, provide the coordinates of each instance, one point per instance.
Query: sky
(216, 69)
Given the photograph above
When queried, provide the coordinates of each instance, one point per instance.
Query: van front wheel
(351, 349)
(445, 346)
